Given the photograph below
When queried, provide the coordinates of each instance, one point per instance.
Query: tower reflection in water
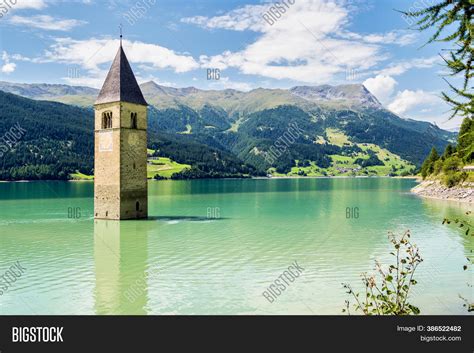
(121, 272)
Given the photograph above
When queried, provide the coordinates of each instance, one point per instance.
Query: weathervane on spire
(120, 34)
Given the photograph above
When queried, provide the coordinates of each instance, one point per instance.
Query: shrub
(390, 296)
(463, 223)
(451, 179)
(454, 178)
(302, 173)
(451, 164)
(373, 160)
(438, 166)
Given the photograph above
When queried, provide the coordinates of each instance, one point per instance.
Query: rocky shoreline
(435, 190)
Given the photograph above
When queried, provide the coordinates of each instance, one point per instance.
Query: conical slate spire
(120, 84)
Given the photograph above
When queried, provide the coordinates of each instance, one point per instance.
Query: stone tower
(120, 153)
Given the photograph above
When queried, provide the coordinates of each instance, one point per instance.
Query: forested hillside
(342, 130)
(448, 166)
(56, 140)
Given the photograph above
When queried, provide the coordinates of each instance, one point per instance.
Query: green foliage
(468, 304)
(57, 142)
(455, 16)
(176, 120)
(461, 223)
(197, 173)
(373, 160)
(428, 165)
(437, 166)
(206, 161)
(449, 150)
(466, 140)
(301, 173)
(451, 164)
(163, 167)
(412, 141)
(159, 177)
(59, 139)
(454, 178)
(304, 163)
(464, 224)
(387, 292)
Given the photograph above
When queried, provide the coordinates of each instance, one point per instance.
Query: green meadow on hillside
(390, 163)
(162, 166)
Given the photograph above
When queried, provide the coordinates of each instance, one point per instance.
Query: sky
(244, 45)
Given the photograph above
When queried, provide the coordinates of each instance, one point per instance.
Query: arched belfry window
(133, 120)
(107, 120)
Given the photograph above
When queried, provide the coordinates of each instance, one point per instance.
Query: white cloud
(46, 22)
(424, 106)
(8, 7)
(248, 17)
(412, 104)
(381, 86)
(94, 56)
(8, 68)
(401, 38)
(30, 4)
(296, 46)
(92, 53)
(226, 83)
(407, 100)
(394, 37)
(96, 80)
(403, 66)
(18, 57)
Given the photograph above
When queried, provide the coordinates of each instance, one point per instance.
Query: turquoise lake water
(214, 246)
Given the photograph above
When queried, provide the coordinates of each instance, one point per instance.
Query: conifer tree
(449, 150)
(428, 165)
(456, 17)
(466, 140)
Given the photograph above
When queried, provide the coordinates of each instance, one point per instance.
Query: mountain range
(231, 100)
(344, 130)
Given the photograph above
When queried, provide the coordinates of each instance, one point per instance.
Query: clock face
(132, 139)
(106, 141)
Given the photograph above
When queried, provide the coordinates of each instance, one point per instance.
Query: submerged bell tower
(120, 151)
